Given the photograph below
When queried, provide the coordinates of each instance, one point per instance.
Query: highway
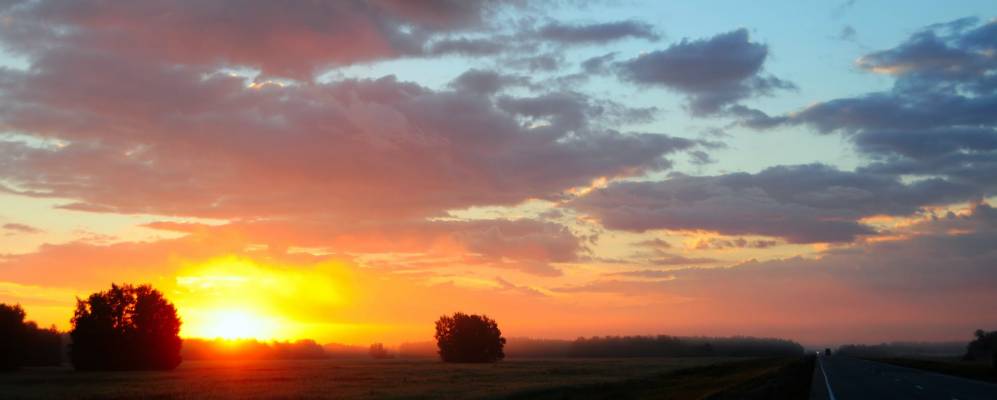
(845, 378)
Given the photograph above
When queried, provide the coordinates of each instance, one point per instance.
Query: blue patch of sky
(805, 48)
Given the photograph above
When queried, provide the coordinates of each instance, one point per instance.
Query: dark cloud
(294, 40)
(567, 110)
(938, 120)
(142, 137)
(599, 33)
(801, 204)
(486, 82)
(714, 72)
(543, 62)
(466, 47)
(598, 64)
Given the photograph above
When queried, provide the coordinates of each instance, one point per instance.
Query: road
(853, 379)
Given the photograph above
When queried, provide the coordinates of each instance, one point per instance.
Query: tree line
(23, 343)
(633, 346)
(136, 328)
(982, 348)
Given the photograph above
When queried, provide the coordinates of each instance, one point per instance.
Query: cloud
(654, 244)
(172, 140)
(20, 229)
(598, 64)
(467, 47)
(938, 120)
(847, 33)
(597, 33)
(738, 243)
(713, 73)
(905, 288)
(486, 82)
(290, 41)
(800, 204)
(527, 245)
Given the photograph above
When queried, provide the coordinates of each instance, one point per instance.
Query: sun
(237, 298)
(236, 324)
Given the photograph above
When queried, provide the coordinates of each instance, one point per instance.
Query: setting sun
(235, 298)
(235, 324)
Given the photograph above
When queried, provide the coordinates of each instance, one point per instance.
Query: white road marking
(830, 393)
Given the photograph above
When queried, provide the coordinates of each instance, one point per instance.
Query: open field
(394, 379)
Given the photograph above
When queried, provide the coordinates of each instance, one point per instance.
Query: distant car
(827, 352)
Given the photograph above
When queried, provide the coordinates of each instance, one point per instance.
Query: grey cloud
(940, 117)
(801, 204)
(281, 40)
(598, 33)
(351, 147)
(486, 82)
(466, 47)
(598, 64)
(713, 73)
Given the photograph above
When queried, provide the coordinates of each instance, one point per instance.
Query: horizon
(348, 172)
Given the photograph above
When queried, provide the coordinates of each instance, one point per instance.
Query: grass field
(391, 379)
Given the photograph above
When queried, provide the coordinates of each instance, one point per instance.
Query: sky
(349, 171)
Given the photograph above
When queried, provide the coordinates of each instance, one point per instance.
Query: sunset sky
(349, 171)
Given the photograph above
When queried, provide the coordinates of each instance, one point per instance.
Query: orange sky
(350, 171)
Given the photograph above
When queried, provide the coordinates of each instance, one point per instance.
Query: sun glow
(234, 298)
(237, 324)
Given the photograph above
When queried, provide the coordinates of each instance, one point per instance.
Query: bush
(125, 328)
(469, 338)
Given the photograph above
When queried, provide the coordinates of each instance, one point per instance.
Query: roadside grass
(784, 378)
(976, 370)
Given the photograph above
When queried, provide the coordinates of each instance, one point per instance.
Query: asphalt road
(854, 379)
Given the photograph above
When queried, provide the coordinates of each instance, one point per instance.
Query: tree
(377, 350)
(12, 337)
(125, 328)
(22, 343)
(984, 347)
(469, 338)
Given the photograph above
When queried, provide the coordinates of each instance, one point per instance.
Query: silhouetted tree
(984, 347)
(125, 328)
(23, 344)
(44, 347)
(469, 338)
(12, 337)
(377, 350)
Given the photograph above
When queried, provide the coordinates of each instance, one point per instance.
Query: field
(359, 378)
